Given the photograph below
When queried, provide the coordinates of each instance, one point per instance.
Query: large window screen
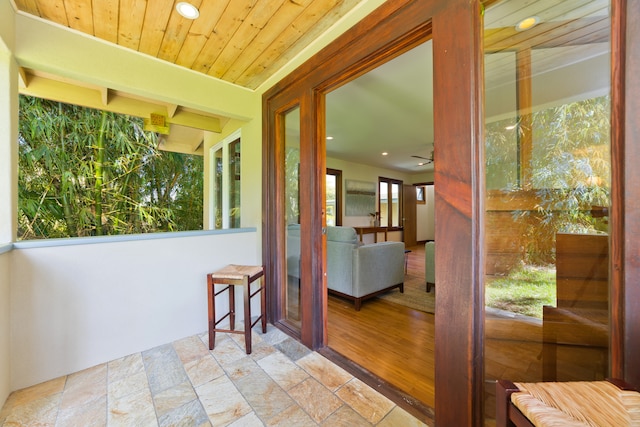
(85, 172)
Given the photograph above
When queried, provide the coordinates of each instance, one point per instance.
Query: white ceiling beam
(43, 87)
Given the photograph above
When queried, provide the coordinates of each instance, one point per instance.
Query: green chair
(430, 264)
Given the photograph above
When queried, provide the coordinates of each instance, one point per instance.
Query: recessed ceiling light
(385, 154)
(329, 138)
(527, 23)
(187, 10)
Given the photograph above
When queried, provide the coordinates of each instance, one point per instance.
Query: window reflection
(292, 212)
(548, 184)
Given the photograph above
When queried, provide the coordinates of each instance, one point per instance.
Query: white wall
(76, 306)
(8, 191)
(5, 330)
(425, 221)
(367, 173)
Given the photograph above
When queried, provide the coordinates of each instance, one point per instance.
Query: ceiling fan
(427, 160)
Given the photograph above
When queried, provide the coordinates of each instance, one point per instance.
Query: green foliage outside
(292, 181)
(85, 172)
(569, 176)
(524, 291)
(570, 171)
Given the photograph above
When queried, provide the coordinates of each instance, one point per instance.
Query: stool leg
(247, 313)
(212, 312)
(232, 307)
(263, 304)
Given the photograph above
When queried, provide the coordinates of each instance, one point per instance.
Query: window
(86, 172)
(225, 188)
(334, 197)
(390, 202)
(421, 196)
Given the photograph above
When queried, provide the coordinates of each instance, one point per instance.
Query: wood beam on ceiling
(104, 94)
(23, 78)
(105, 99)
(171, 109)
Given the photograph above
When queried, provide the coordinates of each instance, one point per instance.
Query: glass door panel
(217, 189)
(547, 130)
(292, 216)
(395, 205)
(330, 203)
(234, 184)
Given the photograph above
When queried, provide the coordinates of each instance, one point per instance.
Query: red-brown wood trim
(617, 210)
(458, 85)
(272, 207)
(628, 157)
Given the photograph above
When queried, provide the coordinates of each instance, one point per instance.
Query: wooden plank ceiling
(240, 41)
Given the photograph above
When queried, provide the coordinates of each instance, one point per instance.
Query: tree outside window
(84, 172)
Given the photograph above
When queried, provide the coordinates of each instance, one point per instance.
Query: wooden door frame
(624, 220)
(393, 28)
(409, 215)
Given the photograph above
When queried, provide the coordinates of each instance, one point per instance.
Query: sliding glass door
(548, 186)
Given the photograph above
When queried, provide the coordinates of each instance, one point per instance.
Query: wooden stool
(236, 275)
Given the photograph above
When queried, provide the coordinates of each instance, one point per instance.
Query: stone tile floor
(282, 383)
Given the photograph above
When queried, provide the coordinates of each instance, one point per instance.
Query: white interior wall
(425, 224)
(80, 305)
(366, 173)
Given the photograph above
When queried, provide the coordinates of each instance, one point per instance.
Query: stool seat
(236, 275)
(236, 272)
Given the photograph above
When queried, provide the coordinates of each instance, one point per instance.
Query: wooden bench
(611, 402)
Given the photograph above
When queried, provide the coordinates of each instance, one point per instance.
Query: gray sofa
(359, 272)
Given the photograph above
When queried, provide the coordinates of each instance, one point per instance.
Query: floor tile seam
(148, 387)
(166, 414)
(296, 404)
(179, 363)
(351, 377)
(286, 392)
(343, 402)
(193, 387)
(394, 405)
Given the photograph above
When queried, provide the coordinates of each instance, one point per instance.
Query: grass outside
(523, 291)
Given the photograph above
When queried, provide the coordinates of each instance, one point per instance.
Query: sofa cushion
(342, 234)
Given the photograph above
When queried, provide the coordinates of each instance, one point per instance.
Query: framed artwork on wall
(360, 198)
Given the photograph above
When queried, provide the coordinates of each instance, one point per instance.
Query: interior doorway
(379, 131)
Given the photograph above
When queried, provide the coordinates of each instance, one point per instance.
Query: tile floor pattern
(282, 383)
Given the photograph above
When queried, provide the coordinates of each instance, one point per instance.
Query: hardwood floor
(392, 342)
(396, 344)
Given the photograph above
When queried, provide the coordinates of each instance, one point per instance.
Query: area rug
(415, 295)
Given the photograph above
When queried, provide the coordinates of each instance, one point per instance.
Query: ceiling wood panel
(154, 27)
(277, 24)
(131, 19)
(53, 10)
(79, 16)
(239, 41)
(248, 30)
(210, 14)
(105, 19)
